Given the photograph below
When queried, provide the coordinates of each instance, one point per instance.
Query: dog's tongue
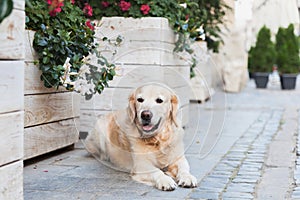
(147, 127)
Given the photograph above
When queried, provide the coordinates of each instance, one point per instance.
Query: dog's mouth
(148, 127)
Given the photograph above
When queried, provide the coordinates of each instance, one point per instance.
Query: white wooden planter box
(51, 117)
(12, 103)
(145, 55)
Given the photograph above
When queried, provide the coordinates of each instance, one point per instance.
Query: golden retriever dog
(145, 139)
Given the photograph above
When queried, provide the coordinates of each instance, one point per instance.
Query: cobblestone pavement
(234, 143)
(296, 189)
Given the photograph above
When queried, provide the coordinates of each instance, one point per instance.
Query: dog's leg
(181, 170)
(145, 172)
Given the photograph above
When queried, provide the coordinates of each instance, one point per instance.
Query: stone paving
(296, 189)
(227, 142)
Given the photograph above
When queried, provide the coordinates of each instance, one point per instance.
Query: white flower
(67, 64)
(83, 87)
(201, 32)
(184, 5)
(84, 69)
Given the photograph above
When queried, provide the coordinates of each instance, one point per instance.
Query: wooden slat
(49, 137)
(88, 118)
(11, 137)
(11, 184)
(110, 99)
(45, 108)
(12, 35)
(142, 29)
(11, 86)
(33, 83)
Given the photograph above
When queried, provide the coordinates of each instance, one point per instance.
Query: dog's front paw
(166, 183)
(187, 181)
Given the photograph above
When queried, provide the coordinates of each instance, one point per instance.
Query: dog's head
(151, 107)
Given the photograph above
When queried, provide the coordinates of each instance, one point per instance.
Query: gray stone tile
(204, 195)
(237, 195)
(53, 195)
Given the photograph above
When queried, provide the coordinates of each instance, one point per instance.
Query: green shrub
(262, 56)
(287, 49)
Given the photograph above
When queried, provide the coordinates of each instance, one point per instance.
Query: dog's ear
(131, 108)
(174, 109)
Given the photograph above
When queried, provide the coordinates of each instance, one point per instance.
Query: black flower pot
(288, 81)
(261, 79)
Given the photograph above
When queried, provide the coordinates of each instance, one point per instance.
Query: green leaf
(42, 42)
(46, 60)
(6, 7)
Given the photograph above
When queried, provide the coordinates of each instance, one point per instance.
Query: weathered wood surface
(49, 137)
(11, 184)
(11, 86)
(11, 137)
(202, 84)
(33, 83)
(110, 99)
(45, 108)
(12, 33)
(142, 29)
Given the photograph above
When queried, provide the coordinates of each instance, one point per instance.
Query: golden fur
(151, 149)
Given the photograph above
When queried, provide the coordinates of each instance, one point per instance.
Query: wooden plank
(142, 29)
(45, 138)
(11, 137)
(132, 76)
(11, 86)
(33, 83)
(12, 35)
(183, 94)
(30, 54)
(88, 118)
(11, 184)
(45, 108)
(176, 76)
(110, 99)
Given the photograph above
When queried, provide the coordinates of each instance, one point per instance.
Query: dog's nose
(146, 115)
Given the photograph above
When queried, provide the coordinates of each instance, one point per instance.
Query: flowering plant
(63, 40)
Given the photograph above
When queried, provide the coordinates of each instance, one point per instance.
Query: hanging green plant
(63, 40)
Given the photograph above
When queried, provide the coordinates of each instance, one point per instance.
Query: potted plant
(261, 57)
(287, 57)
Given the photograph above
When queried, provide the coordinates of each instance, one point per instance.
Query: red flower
(124, 5)
(88, 10)
(54, 7)
(145, 8)
(105, 4)
(89, 24)
(187, 17)
(53, 12)
(72, 1)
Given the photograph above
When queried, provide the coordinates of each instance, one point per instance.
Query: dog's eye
(141, 100)
(159, 100)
